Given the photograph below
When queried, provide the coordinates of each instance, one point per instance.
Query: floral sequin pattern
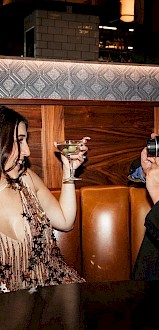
(39, 261)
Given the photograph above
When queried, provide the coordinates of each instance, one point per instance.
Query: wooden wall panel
(156, 120)
(52, 130)
(118, 134)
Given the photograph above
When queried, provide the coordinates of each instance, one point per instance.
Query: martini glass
(69, 148)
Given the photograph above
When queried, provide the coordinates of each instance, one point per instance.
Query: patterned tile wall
(51, 79)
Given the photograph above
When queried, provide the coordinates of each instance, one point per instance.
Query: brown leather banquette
(107, 233)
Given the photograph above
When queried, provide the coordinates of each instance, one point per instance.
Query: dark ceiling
(12, 18)
(106, 8)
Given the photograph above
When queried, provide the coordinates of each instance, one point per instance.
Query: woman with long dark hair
(29, 255)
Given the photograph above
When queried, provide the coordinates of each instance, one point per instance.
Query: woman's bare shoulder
(33, 180)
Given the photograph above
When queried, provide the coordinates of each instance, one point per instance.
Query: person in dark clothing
(147, 262)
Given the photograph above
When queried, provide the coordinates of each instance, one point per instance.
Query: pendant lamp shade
(6, 2)
(127, 10)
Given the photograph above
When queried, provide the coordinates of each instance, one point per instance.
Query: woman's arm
(61, 213)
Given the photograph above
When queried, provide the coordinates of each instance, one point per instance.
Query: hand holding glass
(69, 148)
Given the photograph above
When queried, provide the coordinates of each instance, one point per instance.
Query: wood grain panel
(118, 134)
(156, 120)
(52, 130)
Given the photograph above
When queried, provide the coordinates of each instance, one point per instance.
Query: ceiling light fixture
(6, 2)
(127, 10)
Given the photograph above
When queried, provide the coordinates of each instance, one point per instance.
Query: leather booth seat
(107, 233)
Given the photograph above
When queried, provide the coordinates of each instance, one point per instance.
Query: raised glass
(70, 148)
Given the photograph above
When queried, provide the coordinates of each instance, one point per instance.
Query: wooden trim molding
(52, 130)
(156, 120)
(40, 101)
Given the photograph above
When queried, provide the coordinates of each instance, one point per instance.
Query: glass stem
(71, 168)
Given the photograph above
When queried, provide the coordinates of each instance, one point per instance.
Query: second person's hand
(152, 180)
(146, 161)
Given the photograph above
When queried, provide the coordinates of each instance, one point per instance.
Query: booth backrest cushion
(105, 233)
(108, 231)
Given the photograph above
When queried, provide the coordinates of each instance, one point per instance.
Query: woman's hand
(78, 158)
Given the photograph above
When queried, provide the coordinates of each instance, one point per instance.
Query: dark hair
(9, 120)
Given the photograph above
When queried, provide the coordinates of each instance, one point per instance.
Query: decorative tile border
(51, 79)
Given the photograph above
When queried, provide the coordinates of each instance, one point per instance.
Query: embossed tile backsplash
(24, 78)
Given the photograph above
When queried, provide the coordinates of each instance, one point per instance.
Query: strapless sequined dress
(36, 260)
